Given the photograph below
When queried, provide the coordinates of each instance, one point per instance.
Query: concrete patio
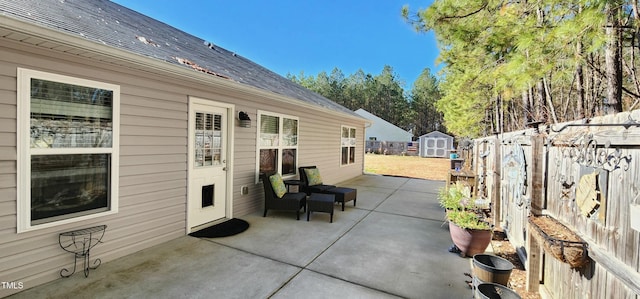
(392, 245)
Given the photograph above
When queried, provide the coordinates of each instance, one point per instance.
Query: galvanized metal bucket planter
(495, 291)
(491, 268)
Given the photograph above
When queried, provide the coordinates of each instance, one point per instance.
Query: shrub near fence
(584, 176)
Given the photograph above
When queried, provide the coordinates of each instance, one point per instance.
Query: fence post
(496, 176)
(534, 258)
(538, 174)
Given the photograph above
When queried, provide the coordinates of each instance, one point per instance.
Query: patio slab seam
(348, 281)
(414, 217)
(306, 266)
(370, 211)
(320, 253)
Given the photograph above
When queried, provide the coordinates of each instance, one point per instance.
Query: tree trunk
(532, 104)
(540, 104)
(526, 108)
(631, 67)
(551, 108)
(613, 59)
(579, 79)
(579, 85)
(497, 116)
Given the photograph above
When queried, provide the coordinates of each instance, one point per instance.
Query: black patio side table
(79, 242)
(298, 183)
(319, 202)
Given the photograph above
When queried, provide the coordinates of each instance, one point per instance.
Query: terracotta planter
(469, 241)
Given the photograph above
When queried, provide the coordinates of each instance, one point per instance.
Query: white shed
(435, 144)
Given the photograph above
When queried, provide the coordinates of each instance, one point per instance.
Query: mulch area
(518, 278)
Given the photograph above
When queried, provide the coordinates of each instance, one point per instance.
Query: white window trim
(23, 216)
(280, 147)
(355, 140)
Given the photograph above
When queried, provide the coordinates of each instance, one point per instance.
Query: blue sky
(290, 36)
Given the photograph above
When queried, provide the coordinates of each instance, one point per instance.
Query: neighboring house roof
(382, 129)
(110, 24)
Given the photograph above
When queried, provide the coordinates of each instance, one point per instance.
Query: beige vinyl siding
(152, 172)
(153, 160)
(244, 164)
(7, 166)
(318, 144)
(7, 127)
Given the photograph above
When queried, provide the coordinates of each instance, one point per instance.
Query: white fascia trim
(140, 62)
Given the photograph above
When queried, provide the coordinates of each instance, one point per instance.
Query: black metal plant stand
(79, 242)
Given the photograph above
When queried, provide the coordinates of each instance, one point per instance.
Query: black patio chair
(305, 187)
(290, 201)
(342, 194)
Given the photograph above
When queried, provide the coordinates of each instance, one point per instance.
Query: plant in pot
(456, 197)
(470, 233)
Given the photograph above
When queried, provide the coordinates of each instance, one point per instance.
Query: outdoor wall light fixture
(245, 121)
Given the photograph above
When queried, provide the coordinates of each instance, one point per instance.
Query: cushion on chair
(313, 176)
(278, 185)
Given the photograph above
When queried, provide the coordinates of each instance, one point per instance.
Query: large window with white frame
(277, 143)
(68, 130)
(348, 145)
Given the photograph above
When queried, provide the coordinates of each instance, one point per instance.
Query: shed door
(436, 147)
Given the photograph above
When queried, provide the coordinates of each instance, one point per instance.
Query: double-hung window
(348, 145)
(68, 140)
(277, 143)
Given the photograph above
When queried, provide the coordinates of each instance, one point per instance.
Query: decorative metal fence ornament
(628, 124)
(587, 152)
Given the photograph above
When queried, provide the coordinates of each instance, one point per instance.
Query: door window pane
(208, 139)
(216, 137)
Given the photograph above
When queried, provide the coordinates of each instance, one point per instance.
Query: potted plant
(470, 233)
(456, 197)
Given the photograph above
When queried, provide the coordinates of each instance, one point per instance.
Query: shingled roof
(110, 24)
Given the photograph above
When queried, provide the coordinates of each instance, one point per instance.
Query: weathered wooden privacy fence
(568, 196)
(392, 147)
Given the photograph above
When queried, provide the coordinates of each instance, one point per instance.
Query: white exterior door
(208, 142)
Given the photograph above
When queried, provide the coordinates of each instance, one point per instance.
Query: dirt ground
(518, 278)
(437, 169)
